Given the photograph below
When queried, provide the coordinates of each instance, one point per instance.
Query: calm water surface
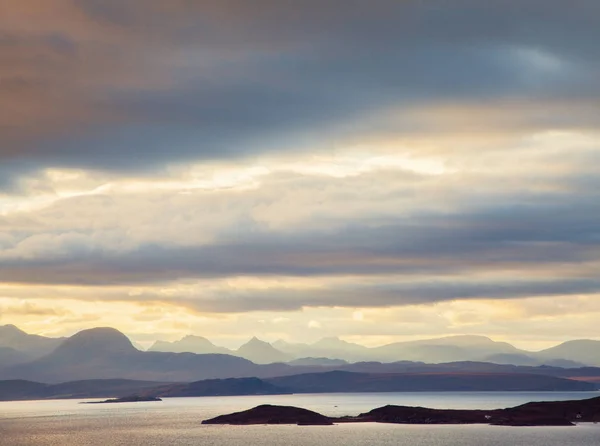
(176, 421)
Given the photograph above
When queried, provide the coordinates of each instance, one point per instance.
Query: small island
(268, 414)
(126, 399)
(547, 413)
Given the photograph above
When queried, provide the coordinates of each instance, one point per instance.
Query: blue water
(177, 421)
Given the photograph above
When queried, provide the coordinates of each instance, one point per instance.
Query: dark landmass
(340, 381)
(551, 413)
(219, 387)
(349, 382)
(326, 382)
(468, 366)
(12, 390)
(126, 399)
(267, 414)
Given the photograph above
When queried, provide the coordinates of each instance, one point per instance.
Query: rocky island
(268, 414)
(126, 399)
(550, 413)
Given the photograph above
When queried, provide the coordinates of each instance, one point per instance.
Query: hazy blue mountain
(585, 351)
(295, 350)
(261, 352)
(446, 349)
(31, 345)
(562, 363)
(531, 360)
(10, 356)
(437, 350)
(105, 353)
(512, 358)
(452, 348)
(317, 362)
(191, 344)
(330, 347)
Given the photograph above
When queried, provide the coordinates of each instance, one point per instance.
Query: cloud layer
(224, 158)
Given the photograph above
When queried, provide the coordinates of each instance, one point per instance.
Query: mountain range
(80, 364)
(105, 353)
(447, 349)
(323, 382)
(23, 346)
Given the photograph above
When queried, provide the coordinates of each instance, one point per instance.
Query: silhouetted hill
(261, 352)
(470, 367)
(547, 413)
(96, 341)
(267, 414)
(584, 351)
(218, 387)
(18, 389)
(30, 345)
(339, 381)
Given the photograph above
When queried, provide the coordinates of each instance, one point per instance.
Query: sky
(379, 171)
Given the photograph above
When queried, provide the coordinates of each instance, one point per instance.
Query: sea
(177, 422)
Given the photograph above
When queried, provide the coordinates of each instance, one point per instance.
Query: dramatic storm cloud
(210, 166)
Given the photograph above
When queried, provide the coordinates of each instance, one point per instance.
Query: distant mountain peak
(191, 344)
(11, 329)
(261, 352)
(333, 342)
(105, 339)
(192, 337)
(255, 340)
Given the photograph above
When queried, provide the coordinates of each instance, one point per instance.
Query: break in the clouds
(242, 157)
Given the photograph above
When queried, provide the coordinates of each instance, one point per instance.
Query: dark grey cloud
(542, 235)
(132, 92)
(377, 296)
(351, 294)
